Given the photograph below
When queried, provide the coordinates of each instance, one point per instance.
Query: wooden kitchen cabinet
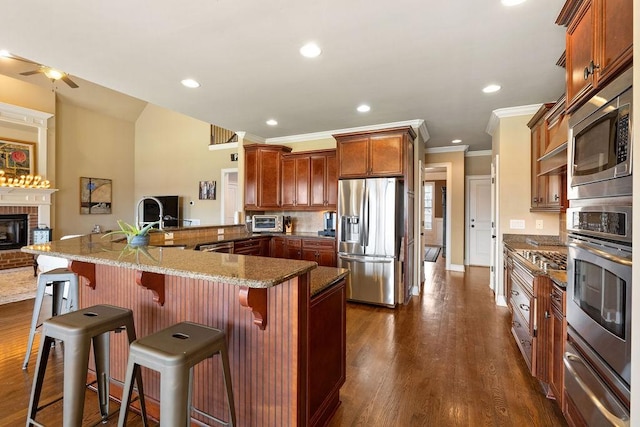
(324, 180)
(599, 44)
(322, 251)
(296, 175)
(506, 271)
(549, 133)
(558, 337)
(522, 325)
(258, 246)
(374, 153)
(262, 176)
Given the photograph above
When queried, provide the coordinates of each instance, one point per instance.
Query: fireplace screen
(13, 231)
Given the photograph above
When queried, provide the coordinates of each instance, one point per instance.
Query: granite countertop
(192, 242)
(324, 277)
(521, 242)
(251, 271)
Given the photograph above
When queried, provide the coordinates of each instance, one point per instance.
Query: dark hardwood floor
(445, 359)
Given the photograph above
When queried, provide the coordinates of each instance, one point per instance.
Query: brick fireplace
(36, 204)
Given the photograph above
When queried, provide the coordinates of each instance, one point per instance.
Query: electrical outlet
(220, 231)
(539, 224)
(516, 224)
(168, 236)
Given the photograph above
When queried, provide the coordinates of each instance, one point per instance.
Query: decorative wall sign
(207, 190)
(95, 196)
(234, 157)
(17, 157)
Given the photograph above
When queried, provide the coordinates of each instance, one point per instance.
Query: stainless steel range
(546, 260)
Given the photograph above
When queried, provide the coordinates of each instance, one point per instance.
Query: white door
(480, 221)
(229, 203)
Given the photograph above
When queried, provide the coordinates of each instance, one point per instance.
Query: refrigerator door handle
(365, 231)
(368, 260)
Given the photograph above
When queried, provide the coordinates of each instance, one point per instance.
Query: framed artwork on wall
(95, 195)
(207, 190)
(17, 157)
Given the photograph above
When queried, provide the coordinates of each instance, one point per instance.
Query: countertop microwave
(600, 143)
(267, 224)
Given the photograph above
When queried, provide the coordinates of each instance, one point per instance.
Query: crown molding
(437, 150)
(24, 116)
(502, 113)
(418, 125)
(478, 153)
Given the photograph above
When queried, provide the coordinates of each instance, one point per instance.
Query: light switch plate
(539, 224)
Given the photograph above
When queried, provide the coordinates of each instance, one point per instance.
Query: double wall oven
(598, 353)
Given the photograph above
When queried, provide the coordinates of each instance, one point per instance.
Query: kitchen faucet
(161, 216)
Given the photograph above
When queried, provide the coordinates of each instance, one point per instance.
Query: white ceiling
(409, 59)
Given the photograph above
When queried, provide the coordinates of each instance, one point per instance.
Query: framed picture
(95, 195)
(17, 157)
(207, 190)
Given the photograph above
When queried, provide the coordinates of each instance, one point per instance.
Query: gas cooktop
(546, 260)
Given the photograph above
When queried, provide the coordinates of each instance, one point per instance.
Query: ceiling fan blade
(30, 73)
(68, 81)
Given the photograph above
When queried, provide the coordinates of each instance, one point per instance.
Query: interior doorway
(440, 175)
(229, 202)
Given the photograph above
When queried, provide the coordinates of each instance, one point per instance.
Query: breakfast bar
(284, 322)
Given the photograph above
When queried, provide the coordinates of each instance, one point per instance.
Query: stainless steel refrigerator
(370, 231)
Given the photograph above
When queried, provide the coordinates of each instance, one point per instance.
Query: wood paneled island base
(287, 359)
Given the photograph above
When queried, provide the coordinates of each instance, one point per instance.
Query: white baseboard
(415, 290)
(501, 301)
(456, 267)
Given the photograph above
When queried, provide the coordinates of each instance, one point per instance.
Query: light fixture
(310, 50)
(456, 141)
(52, 73)
(364, 108)
(512, 2)
(272, 122)
(491, 88)
(190, 83)
(4, 53)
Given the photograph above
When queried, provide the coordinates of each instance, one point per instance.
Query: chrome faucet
(161, 217)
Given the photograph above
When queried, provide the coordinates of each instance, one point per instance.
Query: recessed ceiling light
(310, 50)
(364, 108)
(456, 141)
(512, 2)
(272, 122)
(190, 83)
(491, 88)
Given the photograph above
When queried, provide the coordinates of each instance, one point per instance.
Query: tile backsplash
(303, 222)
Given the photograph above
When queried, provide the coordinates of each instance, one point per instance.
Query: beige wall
(317, 144)
(172, 156)
(91, 145)
(17, 92)
(455, 202)
(513, 138)
(477, 165)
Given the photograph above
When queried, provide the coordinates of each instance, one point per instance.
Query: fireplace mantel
(40, 197)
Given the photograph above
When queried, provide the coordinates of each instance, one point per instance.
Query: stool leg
(131, 335)
(72, 296)
(76, 364)
(34, 319)
(58, 293)
(174, 394)
(133, 370)
(101, 355)
(38, 378)
(224, 355)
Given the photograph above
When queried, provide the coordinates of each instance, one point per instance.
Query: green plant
(131, 231)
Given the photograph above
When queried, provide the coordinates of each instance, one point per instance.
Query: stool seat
(78, 330)
(57, 278)
(174, 352)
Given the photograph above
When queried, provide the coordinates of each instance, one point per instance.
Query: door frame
(449, 170)
(224, 177)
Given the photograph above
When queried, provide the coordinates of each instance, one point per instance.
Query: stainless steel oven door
(599, 299)
(603, 221)
(592, 398)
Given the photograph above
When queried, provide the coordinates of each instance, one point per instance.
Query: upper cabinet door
(352, 153)
(580, 54)
(615, 43)
(386, 154)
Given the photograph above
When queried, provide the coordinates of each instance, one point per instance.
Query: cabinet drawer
(523, 337)
(523, 275)
(522, 302)
(558, 302)
(318, 244)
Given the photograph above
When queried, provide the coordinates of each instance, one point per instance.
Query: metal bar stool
(57, 278)
(174, 352)
(77, 330)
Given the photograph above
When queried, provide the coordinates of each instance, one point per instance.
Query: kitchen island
(286, 346)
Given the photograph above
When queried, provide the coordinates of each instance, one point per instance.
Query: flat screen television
(170, 210)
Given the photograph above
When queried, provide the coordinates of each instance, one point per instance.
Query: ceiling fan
(51, 73)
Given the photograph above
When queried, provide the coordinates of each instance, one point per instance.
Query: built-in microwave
(267, 223)
(600, 143)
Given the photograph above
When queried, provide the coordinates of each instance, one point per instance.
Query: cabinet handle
(590, 69)
(547, 315)
(535, 200)
(556, 197)
(524, 307)
(515, 293)
(516, 324)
